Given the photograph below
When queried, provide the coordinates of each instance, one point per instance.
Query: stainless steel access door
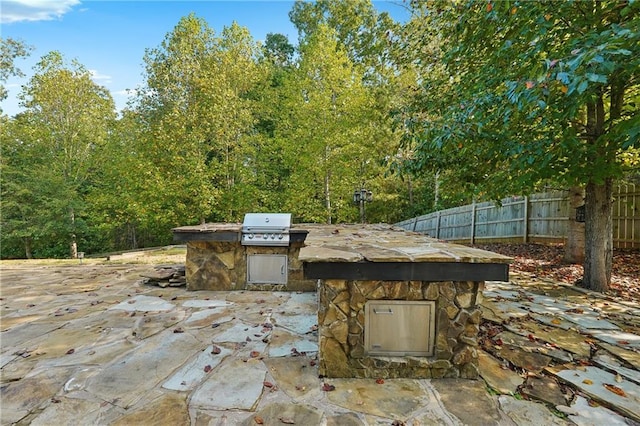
(267, 269)
(399, 328)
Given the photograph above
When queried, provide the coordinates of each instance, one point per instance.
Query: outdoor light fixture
(361, 196)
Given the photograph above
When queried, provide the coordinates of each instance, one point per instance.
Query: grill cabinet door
(267, 269)
(398, 328)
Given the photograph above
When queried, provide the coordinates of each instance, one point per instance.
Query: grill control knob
(280, 236)
(273, 236)
(265, 236)
(250, 236)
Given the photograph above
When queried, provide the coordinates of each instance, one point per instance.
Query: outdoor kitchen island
(392, 303)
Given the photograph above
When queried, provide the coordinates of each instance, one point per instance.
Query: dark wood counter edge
(183, 236)
(407, 271)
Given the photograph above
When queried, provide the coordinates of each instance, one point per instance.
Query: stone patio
(92, 344)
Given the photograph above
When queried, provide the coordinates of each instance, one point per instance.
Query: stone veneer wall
(341, 329)
(222, 265)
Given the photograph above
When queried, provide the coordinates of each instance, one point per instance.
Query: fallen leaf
(615, 389)
(254, 354)
(327, 387)
(70, 351)
(556, 321)
(623, 342)
(216, 350)
(618, 378)
(267, 384)
(530, 84)
(379, 381)
(178, 330)
(287, 420)
(587, 382)
(207, 368)
(489, 7)
(258, 420)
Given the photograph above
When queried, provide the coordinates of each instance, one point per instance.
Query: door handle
(388, 311)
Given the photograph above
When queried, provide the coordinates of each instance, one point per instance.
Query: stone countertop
(352, 243)
(207, 228)
(386, 243)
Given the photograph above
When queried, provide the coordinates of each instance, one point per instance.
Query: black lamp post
(361, 196)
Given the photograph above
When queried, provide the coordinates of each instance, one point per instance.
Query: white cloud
(34, 10)
(100, 78)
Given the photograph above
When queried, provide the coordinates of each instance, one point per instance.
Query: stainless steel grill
(266, 229)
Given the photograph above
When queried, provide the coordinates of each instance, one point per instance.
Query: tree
(536, 92)
(369, 39)
(10, 50)
(278, 50)
(51, 154)
(196, 117)
(328, 126)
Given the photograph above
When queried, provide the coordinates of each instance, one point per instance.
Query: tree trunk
(73, 245)
(436, 190)
(598, 236)
(574, 247)
(27, 248)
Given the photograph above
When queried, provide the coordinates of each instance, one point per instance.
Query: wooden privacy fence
(538, 218)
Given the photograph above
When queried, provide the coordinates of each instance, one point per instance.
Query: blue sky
(110, 37)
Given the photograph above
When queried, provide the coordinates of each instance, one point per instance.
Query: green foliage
(223, 126)
(49, 155)
(520, 82)
(10, 50)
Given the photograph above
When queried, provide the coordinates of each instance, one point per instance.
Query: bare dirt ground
(545, 262)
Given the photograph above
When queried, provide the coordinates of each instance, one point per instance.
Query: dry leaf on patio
(587, 382)
(267, 384)
(618, 378)
(287, 420)
(258, 420)
(379, 381)
(216, 350)
(327, 387)
(207, 368)
(615, 389)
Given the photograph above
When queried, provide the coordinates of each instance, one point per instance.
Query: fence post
(526, 219)
(438, 226)
(473, 222)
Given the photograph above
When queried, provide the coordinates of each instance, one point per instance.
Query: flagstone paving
(93, 345)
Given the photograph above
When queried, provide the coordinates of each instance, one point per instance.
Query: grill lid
(266, 221)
